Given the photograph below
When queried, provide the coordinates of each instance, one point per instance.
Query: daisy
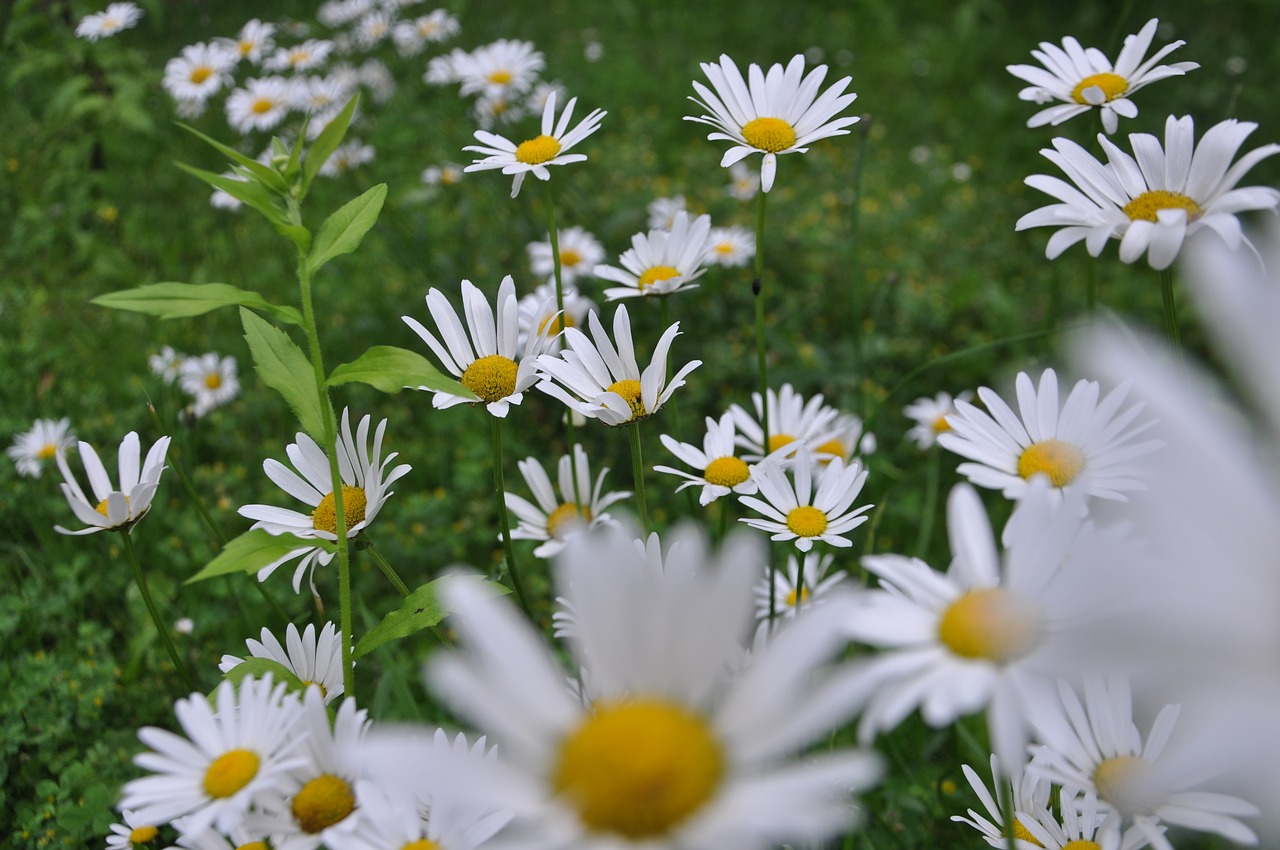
(199, 71)
(541, 93)
(538, 313)
(372, 29)
(411, 37)
(46, 440)
(1153, 203)
(210, 380)
(335, 13)
(443, 70)
(112, 508)
(483, 362)
(239, 746)
(534, 155)
(260, 105)
(790, 593)
(579, 254)
(446, 174)
(375, 76)
(324, 98)
(1078, 829)
(307, 56)
(791, 420)
(796, 512)
(744, 182)
(1086, 444)
(504, 66)
(1030, 802)
(676, 750)
(775, 113)
(117, 17)
(602, 382)
(1083, 80)
(315, 660)
(662, 262)
(489, 110)
(731, 246)
(365, 483)
(720, 472)
(348, 156)
(930, 415)
(848, 440)
(166, 364)
(255, 39)
(555, 518)
(662, 212)
(134, 832)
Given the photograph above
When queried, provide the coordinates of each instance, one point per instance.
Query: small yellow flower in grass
(113, 508)
(661, 262)
(720, 471)
(47, 439)
(556, 517)
(796, 512)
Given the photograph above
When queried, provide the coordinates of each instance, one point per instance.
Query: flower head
(661, 262)
(260, 105)
(116, 18)
(790, 591)
(199, 71)
(580, 506)
(809, 424)
(47, 439)
(500, 68)
(538, 313)
(579, 253)
(930, 415)
(720, 472)
(315, 659)
(795, 511)
(731, 246)
(113, 508)
(210, 380)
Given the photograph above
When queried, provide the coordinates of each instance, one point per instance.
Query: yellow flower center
(298, 56)
(655, 274)
(777, 441)
(726, 472)
(1125, 782)
(102, 506)
(47, 452)
(1062, 462)
(213, 380)
(499, 77)
(325, 518)
(143, 835)
(638, 769)
(630, 392)
(806, 521)
(230, 772)
(492, 377)
(769, 134)
(1082, 844)
(306, 683)
(421, 844)
(200, 74)
(1022, 833)
(1146, 206)
(554, 324)
(262, 105)
(794, 601)
(322, 802)
(565, 518)
(1112, 85)
(569, 257)
(989, 624)
(253, 845)
(941, 425)
(246, 46)
(723, 248)
(537, 150)
(832, 447)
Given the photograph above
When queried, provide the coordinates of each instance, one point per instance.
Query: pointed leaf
(173, 300)
(259, 667)
(283, 367)
(252, 551)
(392, 369)
(253, 194)
(342, 232)
(327, 142)
(420, 610)
(265, 174)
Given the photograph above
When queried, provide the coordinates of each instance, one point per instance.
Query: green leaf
(342, 232)
(265, 174)
(283, 367)
(391, 369)
(253, 194)
(327, 142)
(420, 610)
(259, 667)
(173, 300)
(252, 551)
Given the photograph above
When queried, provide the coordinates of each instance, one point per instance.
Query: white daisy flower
(662, 212)
(579, 254)
(541, 94)
(210, 380)
(443, 70)
(134, 832)
(47, 439)
(771, 113)
(365, 483)
(555, 518)
(411, 37)
(605, 383)
(335, 13)
(324, 98)
(255, 38)
(113, 508)
(484, 361)
(1153, 203)
(1030, 805)
(375, 76)
(538, 313)
(534, 155)
(166, 364)
(790, 594)
(720, 472)
(116, 18)
(239, 746)
(796, 512)
(848, 441)
(791, 420)
(1087, 444)
(199, 71)
(1083, 80)
(732, 246)
(930, 415)
(260, 105)
(237, 838)
(373, 28)
(306, 56)
(744, 182)
(656, 647)
(499, 68)
(445, 174)
(314, 659)
(489, 110)
(348, 156)
(661, 262)
(1078, 829)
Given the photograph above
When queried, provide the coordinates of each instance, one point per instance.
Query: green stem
(161, 628)
(799, 589)
(757, 287)
(500, 493)
(1091, 284)
(664, 313)
(925, 534)
(553, 233)
(637, 471)
(387, 570)
(1170, 309)
(724, 519)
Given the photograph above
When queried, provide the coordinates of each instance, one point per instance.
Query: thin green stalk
(161, 628)
(799, 584)
(500, 494)
(724, 519)
(637, 471)
(571, 432)
(925, 533)
(1091, 284)
(1170, 309)
(855, 271)
(387, 570)
(757, 288)
(673, 402)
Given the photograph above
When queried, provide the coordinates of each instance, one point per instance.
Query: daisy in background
(790, 594)
(324, 98)
(210, 380)
(134, 832)
(445, 174)
(720, 472)
(500, 68)
(555, 518)
(1154, 201)
(199, 71)
(930, 415)
(848, 441)
(794, 511)
(744, 182)
(365, 488)
(348, 156)
(662, 211)
(255, 39)
(791, 420)
(373, 28)
(1030, 803)
(661, 262)
(47, 439)
(771, 113)
(113, 508)
(412, 37)
(314, 659)
(260, 105)
(731, 246)
(443, 70)
(534, 155)
(541, 93)
(1084, 80)
(483, 362)
(117, 17)
(538, 313)
(1088, 444)
(599, 381)
(306, 56)
(489, 110)
(579, 254)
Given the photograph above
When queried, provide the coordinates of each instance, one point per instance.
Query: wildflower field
(834, 424)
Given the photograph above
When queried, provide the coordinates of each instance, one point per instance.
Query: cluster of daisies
(209, 380)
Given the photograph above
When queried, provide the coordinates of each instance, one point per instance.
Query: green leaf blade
(265, 174)
(422, 609)
(343, 231)
(174, 300)
(253, 194)
(391, 369)
(283, 367)
(327, 142)
(252, 551)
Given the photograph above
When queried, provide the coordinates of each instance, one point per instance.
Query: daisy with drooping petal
(1030, 802)
(579, 254)
(771, 113)
(199, 71)
(538, 313)
(1155, 200)
(315, 660)
(133, 833)
(46, 440)
(365, 483)
(662, 212)
(555, 518)
(731, 246)
(721, 471)
(661, 262)
(112, 508)
(791, 420)
(210, 380)
(260, 105)
(116, 18)
(534, 155)
(499, 68)
(1084, 80)
(930, 415)
(796, 512)
(602, 382)
(790, 592)
(1089, 443)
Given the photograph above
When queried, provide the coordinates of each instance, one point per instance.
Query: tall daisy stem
(757, 288)
(1091, 284)
(388, 570)
(500, 493)
(163, 630)
(664, 313)
(799, 589)
(1170, 309)
(553, 233)
(637, 471)
(925, 533)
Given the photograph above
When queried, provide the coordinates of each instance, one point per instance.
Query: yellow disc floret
(1062, 462)
(655, 274)
(325, 517)
(201, 73)
(143, 835)
(1082, 844)
(322, 802)
(569, 257)
(492, 377)
(47, 452)
(421, 844)
(565, 517)
(213, 380)
(989, 624)
(795, 600)
(640, 768)
(726, 472)
(102, 506)
(1112, 86)
(262, 106)
(941, 425)
(777, 441)
(806, 521)
(230, 772)
(1146, 206)
(537, 150)
(769, 134)
(630, 391)
(554, 324)
(1021, 833)
(500, 77)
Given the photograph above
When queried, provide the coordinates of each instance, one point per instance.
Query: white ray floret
(47, 439)
(661, 262)
(555, 518)
(534, 155)
(720, 471)
(113, 508)
(798, 512)
(314, 659)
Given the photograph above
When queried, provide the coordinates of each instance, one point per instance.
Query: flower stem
(925, 533)
(163, 630)
(553, 233)
(757, 288)
(500, 493)
(1170, 309)
(675, 406)
(799, 584)
(387, 570)
(1091, 284)
(637, 471)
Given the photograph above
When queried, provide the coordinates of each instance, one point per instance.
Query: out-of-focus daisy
(1083, 80)
(134, 832)
(731, 246)
(554, 519)
(260, 105)
(789, 594)
(365, 483)
(306, 56)
(848, 440)
(348, 156)
(1088, 444)
(166, 364)
(210, 380)
(336, 13)
(720, 471)
(770, 113)
(538, 313)
(504, 66)
(930, 415)
(199, 71)
(445, 174)
(373, 28)
(485, 361)
(113, 508)
(255, 39)
(579, 254)
(116, 17)
(47, 439)
(1030, 803)
(443, 70)
(744, 182)
(534, 155)
(661, 262)
(796, 512)
(791, 420)
(377, 78)
(315, 660)
(1153, 203)
(489, 110)
(324, 98)
(412, 36)
(662, 211)
(537, 99)
(603, 382)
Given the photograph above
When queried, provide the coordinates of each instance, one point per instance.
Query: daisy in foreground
(770, 113)
(1088, 444)
(1030, 802)
(720, 471)
(661, 262)
(47, 439)
(1153, 201)
(555, 518)
(112, 508)
(800, 514)
(676, 750)
(314, 660)
(534, 155)
(1084, 80)
(134, 832)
